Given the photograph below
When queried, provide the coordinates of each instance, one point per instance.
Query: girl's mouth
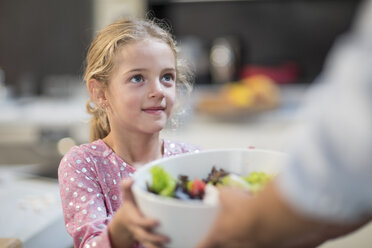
(154, 110)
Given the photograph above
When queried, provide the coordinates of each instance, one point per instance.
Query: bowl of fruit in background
(249, 96)
(180, 191)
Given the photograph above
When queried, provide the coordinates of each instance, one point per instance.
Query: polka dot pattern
(89, 177)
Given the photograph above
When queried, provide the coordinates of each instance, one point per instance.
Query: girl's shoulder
(95, 148)
(174, 147)
(83, 154)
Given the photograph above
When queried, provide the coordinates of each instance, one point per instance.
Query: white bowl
(187, 222)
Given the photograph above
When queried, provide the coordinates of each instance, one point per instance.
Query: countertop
(31, 211)
(266, 130)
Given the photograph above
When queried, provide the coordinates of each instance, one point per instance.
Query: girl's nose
(156, 89)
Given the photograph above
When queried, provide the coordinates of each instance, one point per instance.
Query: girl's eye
(168, 78)
(136, 79)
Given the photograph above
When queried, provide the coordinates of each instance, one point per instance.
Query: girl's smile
(156, 110)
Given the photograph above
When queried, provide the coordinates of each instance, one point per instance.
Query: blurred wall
(41, 38)
(106, 11)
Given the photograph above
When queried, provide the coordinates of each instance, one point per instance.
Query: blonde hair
(100, 62)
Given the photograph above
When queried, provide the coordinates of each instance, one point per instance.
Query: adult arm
(324, 190)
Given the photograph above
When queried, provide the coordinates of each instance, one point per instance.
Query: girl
(132, 74)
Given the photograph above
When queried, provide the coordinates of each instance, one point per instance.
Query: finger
(151, 245)
(211, 239)
(144, 236)
(143, 222)
(126, 188)
(208, 242)
(136, 218)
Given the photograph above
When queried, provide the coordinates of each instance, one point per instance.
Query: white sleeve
(329, 172)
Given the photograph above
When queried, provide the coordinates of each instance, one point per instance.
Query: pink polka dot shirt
(89, 176)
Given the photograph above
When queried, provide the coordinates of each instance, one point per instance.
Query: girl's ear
(97, 92)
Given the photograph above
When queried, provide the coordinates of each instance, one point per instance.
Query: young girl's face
(142, 88)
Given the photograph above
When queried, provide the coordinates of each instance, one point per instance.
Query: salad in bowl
(174, 190)
(184, 188)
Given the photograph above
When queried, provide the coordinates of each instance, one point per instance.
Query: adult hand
(229, 229)
(132, 222)
(248, 221)
(266, 220)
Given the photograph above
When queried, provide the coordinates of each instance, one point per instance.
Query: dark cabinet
(270, 32)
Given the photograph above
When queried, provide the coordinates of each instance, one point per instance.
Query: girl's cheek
(170, 102)
(172, 99)
(171, 95)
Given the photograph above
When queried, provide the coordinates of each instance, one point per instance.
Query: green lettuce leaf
(162, 182)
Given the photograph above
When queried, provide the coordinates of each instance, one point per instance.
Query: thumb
(126, 189)
(208, 242)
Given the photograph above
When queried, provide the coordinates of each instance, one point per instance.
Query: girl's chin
(152, 126)
(155, 128)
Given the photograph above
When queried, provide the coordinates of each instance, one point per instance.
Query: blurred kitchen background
(253, 62)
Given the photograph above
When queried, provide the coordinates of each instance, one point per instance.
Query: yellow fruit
(240, 95)
(264, 88)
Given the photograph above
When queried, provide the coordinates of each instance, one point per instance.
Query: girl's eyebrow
(143, 69)
(135, 70)
(169, 69)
